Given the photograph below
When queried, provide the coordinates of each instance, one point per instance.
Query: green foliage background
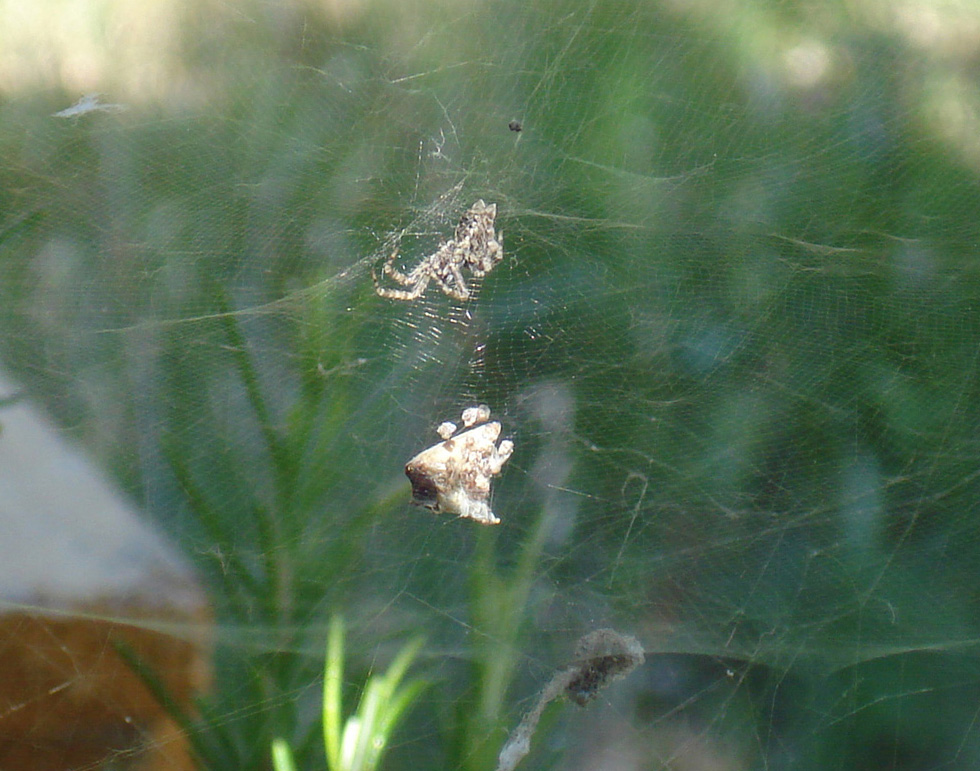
(740, 304)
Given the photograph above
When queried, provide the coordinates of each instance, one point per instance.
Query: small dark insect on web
(474, 246)
(515, 126)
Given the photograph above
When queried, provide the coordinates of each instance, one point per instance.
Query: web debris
(88, 103)
(474, 246)
(601, 657)
(453, 476)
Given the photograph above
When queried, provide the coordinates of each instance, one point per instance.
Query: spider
(453, 476)
(474, 246)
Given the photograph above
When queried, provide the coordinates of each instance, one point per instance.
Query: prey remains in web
(601, 658)
(453, 476)
(474, 246)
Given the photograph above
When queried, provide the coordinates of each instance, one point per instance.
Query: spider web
(733, 338)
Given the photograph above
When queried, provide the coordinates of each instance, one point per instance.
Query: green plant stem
(498, 604)
(332, 681)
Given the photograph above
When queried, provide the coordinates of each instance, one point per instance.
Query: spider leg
(389, 269)
(417, 280)
(460, 283)
(458, 292)
(403, 294)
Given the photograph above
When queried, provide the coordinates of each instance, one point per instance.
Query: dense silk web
(730, 346)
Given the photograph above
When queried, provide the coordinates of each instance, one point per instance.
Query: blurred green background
(734, 338)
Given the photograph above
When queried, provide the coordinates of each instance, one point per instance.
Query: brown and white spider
(453, 476)
(474, 246)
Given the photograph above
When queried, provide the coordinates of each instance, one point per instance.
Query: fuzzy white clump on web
(601, 657)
